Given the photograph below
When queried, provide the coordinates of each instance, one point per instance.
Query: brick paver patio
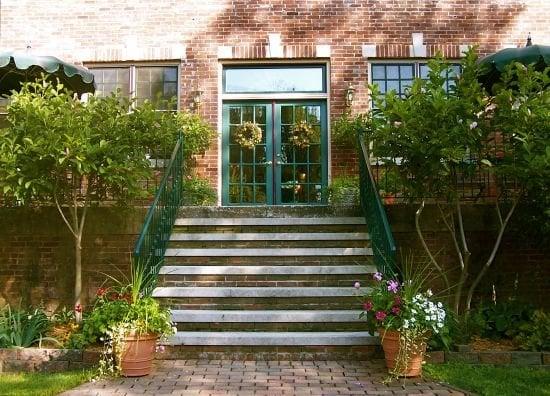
(221, 377)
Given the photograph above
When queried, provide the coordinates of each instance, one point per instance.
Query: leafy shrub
(344, 190)
(504, 319)
(21, 328)
(344, 129)
(198, 192)
(535, 334)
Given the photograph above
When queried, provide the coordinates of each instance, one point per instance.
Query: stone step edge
(256, 292)
(269, 221)
(265, 316)
(267, 270)
(262, 252)
(270, 236)
(272, 338)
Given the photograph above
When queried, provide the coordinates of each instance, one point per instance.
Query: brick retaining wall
(15, 360)
(36, 253)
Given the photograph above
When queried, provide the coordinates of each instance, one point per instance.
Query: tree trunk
(78, 278)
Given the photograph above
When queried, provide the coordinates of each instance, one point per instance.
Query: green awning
(19, 67)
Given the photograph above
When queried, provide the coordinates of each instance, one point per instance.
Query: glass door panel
(302, 175)
(247, 172)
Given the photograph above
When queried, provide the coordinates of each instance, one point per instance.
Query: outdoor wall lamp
(197, 98)
(350, 95)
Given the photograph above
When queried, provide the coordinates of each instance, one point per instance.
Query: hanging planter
(303, 135)
(248, 135)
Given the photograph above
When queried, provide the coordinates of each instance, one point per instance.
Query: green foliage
(491, 380)
(22, 328)
(63, 316)
(198, 192)
(197, 134)
(535, 334)
(344, 129)
(504, 319)
(428, 134)
(344, 190)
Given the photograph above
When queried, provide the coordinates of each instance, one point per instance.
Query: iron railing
(154, 236)
(382, 241)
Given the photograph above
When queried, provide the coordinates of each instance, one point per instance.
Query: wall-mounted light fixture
(350, 95)
(197, 99)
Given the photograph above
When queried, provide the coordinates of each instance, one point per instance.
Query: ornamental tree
(60, 151)
(433, 137)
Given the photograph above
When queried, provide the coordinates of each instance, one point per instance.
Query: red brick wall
(101, 30)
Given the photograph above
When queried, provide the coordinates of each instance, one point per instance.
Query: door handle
(279, 162)
(268, 163)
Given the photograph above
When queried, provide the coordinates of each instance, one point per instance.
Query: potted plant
(405, 317)
(132, 322)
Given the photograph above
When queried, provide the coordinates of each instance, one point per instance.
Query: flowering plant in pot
(130, 322)
(405, 316)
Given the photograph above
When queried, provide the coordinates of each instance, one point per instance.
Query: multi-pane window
(400, 76)
(157, 84)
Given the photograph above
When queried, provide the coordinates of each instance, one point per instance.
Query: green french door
(277, 170)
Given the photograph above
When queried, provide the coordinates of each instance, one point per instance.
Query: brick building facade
(197, 41)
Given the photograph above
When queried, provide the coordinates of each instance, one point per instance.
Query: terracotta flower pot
(391, 346)
(137, 355)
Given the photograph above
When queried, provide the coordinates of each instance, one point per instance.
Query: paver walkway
(221, 377)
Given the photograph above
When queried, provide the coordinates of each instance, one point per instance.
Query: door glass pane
(234, 115)
(301, 175)
(274, 79)
(260, 194)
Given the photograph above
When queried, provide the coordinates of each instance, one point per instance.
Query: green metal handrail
(154, 236)
(382, 242)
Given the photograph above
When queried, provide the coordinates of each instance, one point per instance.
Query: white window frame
(132, 75)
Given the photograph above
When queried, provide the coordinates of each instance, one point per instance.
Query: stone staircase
(267, 283)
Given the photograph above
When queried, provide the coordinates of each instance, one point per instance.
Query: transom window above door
(157, 84)
(274, 79)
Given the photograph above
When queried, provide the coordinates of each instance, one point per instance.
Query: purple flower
(357, 285)
(393, 286)
(377, 276)
(395, 310)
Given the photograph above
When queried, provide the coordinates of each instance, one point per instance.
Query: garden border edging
(47, 360)
(500, 358)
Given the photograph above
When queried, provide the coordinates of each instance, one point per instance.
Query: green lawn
(40, 384)
(491, 380)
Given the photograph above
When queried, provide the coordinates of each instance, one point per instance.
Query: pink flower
(377, 276)
(100, 291)
(393, 286)
(368, 305)
(160, 348)
(380, 315)
(357, 285)
(397, 300)
(395, 310)
(78, 308)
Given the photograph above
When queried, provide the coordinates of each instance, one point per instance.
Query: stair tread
(258, 252)
(266, 269)
(237, 292)
(288, 221)
(265, 316)
(271, 236)
(272, 338)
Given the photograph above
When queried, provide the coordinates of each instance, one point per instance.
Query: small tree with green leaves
(72, 154)
(432, 137)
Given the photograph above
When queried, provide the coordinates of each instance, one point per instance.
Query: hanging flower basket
(248, 135)
(303, 135)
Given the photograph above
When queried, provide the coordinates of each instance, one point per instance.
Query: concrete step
(267, 252)
(270, 316)
(244, 338)
(270, 236)
(267, 270)
(269, 221)
(255, 292)
(271, 211)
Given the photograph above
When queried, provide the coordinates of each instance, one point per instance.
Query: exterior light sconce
(350, 95)
(197, 99)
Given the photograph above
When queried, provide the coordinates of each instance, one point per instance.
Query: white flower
(434, 317)
(439, 305)
(427, 318)
(516, 105)
(460, 121)
(429, 292)
(473, 125)
(413, 320)
(440, 325)
(413, 311)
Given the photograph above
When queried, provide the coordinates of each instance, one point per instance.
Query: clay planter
(391, 346)
(137, 356)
